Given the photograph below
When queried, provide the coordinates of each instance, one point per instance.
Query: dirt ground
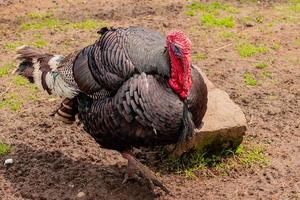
(53, 160)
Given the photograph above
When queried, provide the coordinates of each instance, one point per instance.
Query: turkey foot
(135, 168)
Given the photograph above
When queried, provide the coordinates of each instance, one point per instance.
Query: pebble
(80, 194)
(8, 161)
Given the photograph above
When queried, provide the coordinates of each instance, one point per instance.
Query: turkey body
(144, 112)
(120, 85)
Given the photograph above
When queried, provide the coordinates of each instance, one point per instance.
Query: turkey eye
(177, 51)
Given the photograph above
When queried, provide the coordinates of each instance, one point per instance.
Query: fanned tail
(41, 69)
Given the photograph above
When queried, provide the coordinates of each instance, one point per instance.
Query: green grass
(247, 49)
(213, 7)
(210, 20)
(297, 42)
(4, 148)
(13, 45)
(275, 46)
(37, 21)
(6, 68)
(227, 35)
(267, 74)
(20, 81)
(249, 79)
(252, 156)
(11, 101)
(261, 65)
(295, 6)
(219, 162)
(39, 15)
(251, 20)
(199, 56)
(45, 23)
(88, 24)
(40, 43)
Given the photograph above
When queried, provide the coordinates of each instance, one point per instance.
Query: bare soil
(53, 160)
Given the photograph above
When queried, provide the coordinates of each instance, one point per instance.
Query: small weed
(13, 45)
(297, 42)
(39, 15)
(45, 23)
(267, 74)
(40, 43)
(5, 69)
(12, 101)
(4, 148)
(88, 24)
(211, 20)
(20, 81)
(261, 65)
(213, 8)
(295, 6)
(252, 156)
(221, 161)
(250, 79)
(259, 19)
(251, 20)
(227, 35)
(247, 49)
(275, 46)
(199, 56)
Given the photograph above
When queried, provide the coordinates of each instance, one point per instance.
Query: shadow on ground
(41, 174)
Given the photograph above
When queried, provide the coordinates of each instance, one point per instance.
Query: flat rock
(224, 123)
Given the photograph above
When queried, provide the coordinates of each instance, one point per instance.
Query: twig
(6, 90)
(227, 45)
(223, 58)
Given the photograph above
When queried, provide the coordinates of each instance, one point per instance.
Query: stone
(80, 194)
(224, 123)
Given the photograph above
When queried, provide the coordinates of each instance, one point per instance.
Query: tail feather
(67, 110)
(41, 69)
(28, 53)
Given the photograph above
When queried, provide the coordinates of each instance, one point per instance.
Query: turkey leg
(135, 167)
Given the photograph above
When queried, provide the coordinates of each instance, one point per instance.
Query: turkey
(131, 88)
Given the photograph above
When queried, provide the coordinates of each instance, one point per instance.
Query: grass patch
(4, 148)
(219, 162)
(213, 7)
(250, 79)
(297, 42)
(210, 20)
(36, 21)
(39, 15)
(45, 23)
(40, 43)
(295, 6)
(199, 56)
(5, 69)
(227, 35)
(252, 156)
(261, 65)
(249, 20)
(13, 45)
(267, 74)
(247, 49)
(275, 46)
(88, 24)
(20, 81)
(11, 101)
